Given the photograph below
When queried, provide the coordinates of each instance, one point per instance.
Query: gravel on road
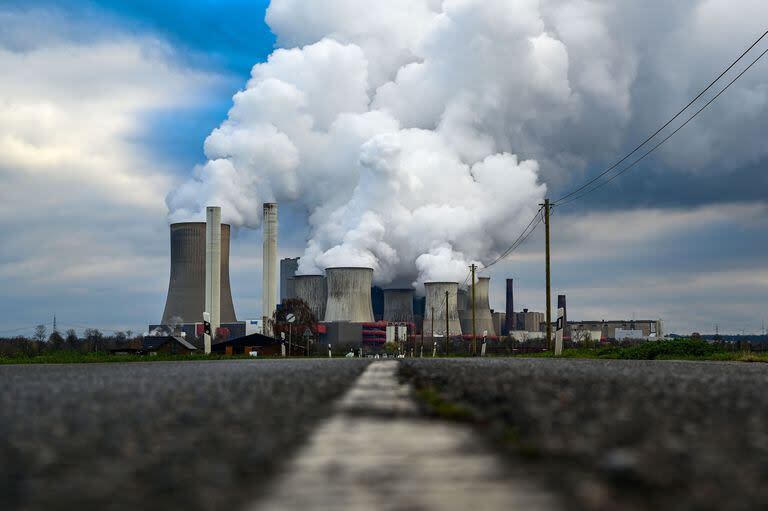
(157, 435)
(618, 434)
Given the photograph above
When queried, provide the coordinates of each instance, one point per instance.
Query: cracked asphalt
(157, 435)
(620, 434)
(599, 434)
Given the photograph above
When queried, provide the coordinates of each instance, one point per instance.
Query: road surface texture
(157, 435)
(377, 453)
(619, 435)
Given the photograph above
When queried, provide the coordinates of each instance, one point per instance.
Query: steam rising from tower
(403, 164)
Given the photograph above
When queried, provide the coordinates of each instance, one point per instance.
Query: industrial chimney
(269, 269)
(398, 305)
(349, 295)
(212, 271)
(510, 323)
(436, 301)
(186, 289)
(483, 317)
(311, 289)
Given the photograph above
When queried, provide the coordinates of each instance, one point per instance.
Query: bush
(652, 350)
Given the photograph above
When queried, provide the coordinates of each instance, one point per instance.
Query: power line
(670, 121)
(11, 330)
(635, 162)
(529, 229)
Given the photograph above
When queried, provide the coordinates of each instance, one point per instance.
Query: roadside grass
(441, 407)
(678, 349)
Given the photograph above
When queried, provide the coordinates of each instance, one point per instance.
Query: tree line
(92, 340)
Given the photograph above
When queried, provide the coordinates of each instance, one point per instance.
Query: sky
(118, 117)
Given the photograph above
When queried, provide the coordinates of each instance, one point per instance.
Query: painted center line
(376, 453)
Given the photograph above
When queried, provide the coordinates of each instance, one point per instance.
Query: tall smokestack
(212, 271)
(349, 295)
(269, 271)
(311, 289)
(510, 323)
(186, 289)
(398, 305)
(436, 301)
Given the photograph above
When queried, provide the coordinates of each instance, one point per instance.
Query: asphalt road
(618, 435)
(158, 435)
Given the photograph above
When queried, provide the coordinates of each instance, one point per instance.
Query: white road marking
(375, 453)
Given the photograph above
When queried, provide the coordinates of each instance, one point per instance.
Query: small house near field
(264, 345)
(167, 345)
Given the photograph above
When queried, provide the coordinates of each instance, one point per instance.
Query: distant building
(193, 331)
(529, 321)
(288, 268)
(261, 344)
(167, 344)
(611, 329)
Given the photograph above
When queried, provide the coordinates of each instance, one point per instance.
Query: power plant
(341, 300)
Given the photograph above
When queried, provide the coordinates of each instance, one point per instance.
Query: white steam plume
(396, 132)
(397, 126)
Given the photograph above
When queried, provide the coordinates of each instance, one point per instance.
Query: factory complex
(340, 310)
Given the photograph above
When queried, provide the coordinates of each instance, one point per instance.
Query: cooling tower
(436, 301)
(311, 289)
(349, 295)
(186, 290)
(269, 266)
(398, 305)
(483, 317)
(462, 299)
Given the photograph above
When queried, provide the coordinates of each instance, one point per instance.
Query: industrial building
(612, 329)
(288, 268)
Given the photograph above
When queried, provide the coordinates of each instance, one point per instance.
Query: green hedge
(652, 350)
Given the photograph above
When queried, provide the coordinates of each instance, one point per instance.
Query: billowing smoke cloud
(414, 132)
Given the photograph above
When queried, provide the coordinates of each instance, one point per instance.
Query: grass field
(678, 349)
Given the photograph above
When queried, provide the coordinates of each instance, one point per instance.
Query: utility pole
(421, 349)
(549, 293)
(432, 309)
(447, 337)
(474, 331)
